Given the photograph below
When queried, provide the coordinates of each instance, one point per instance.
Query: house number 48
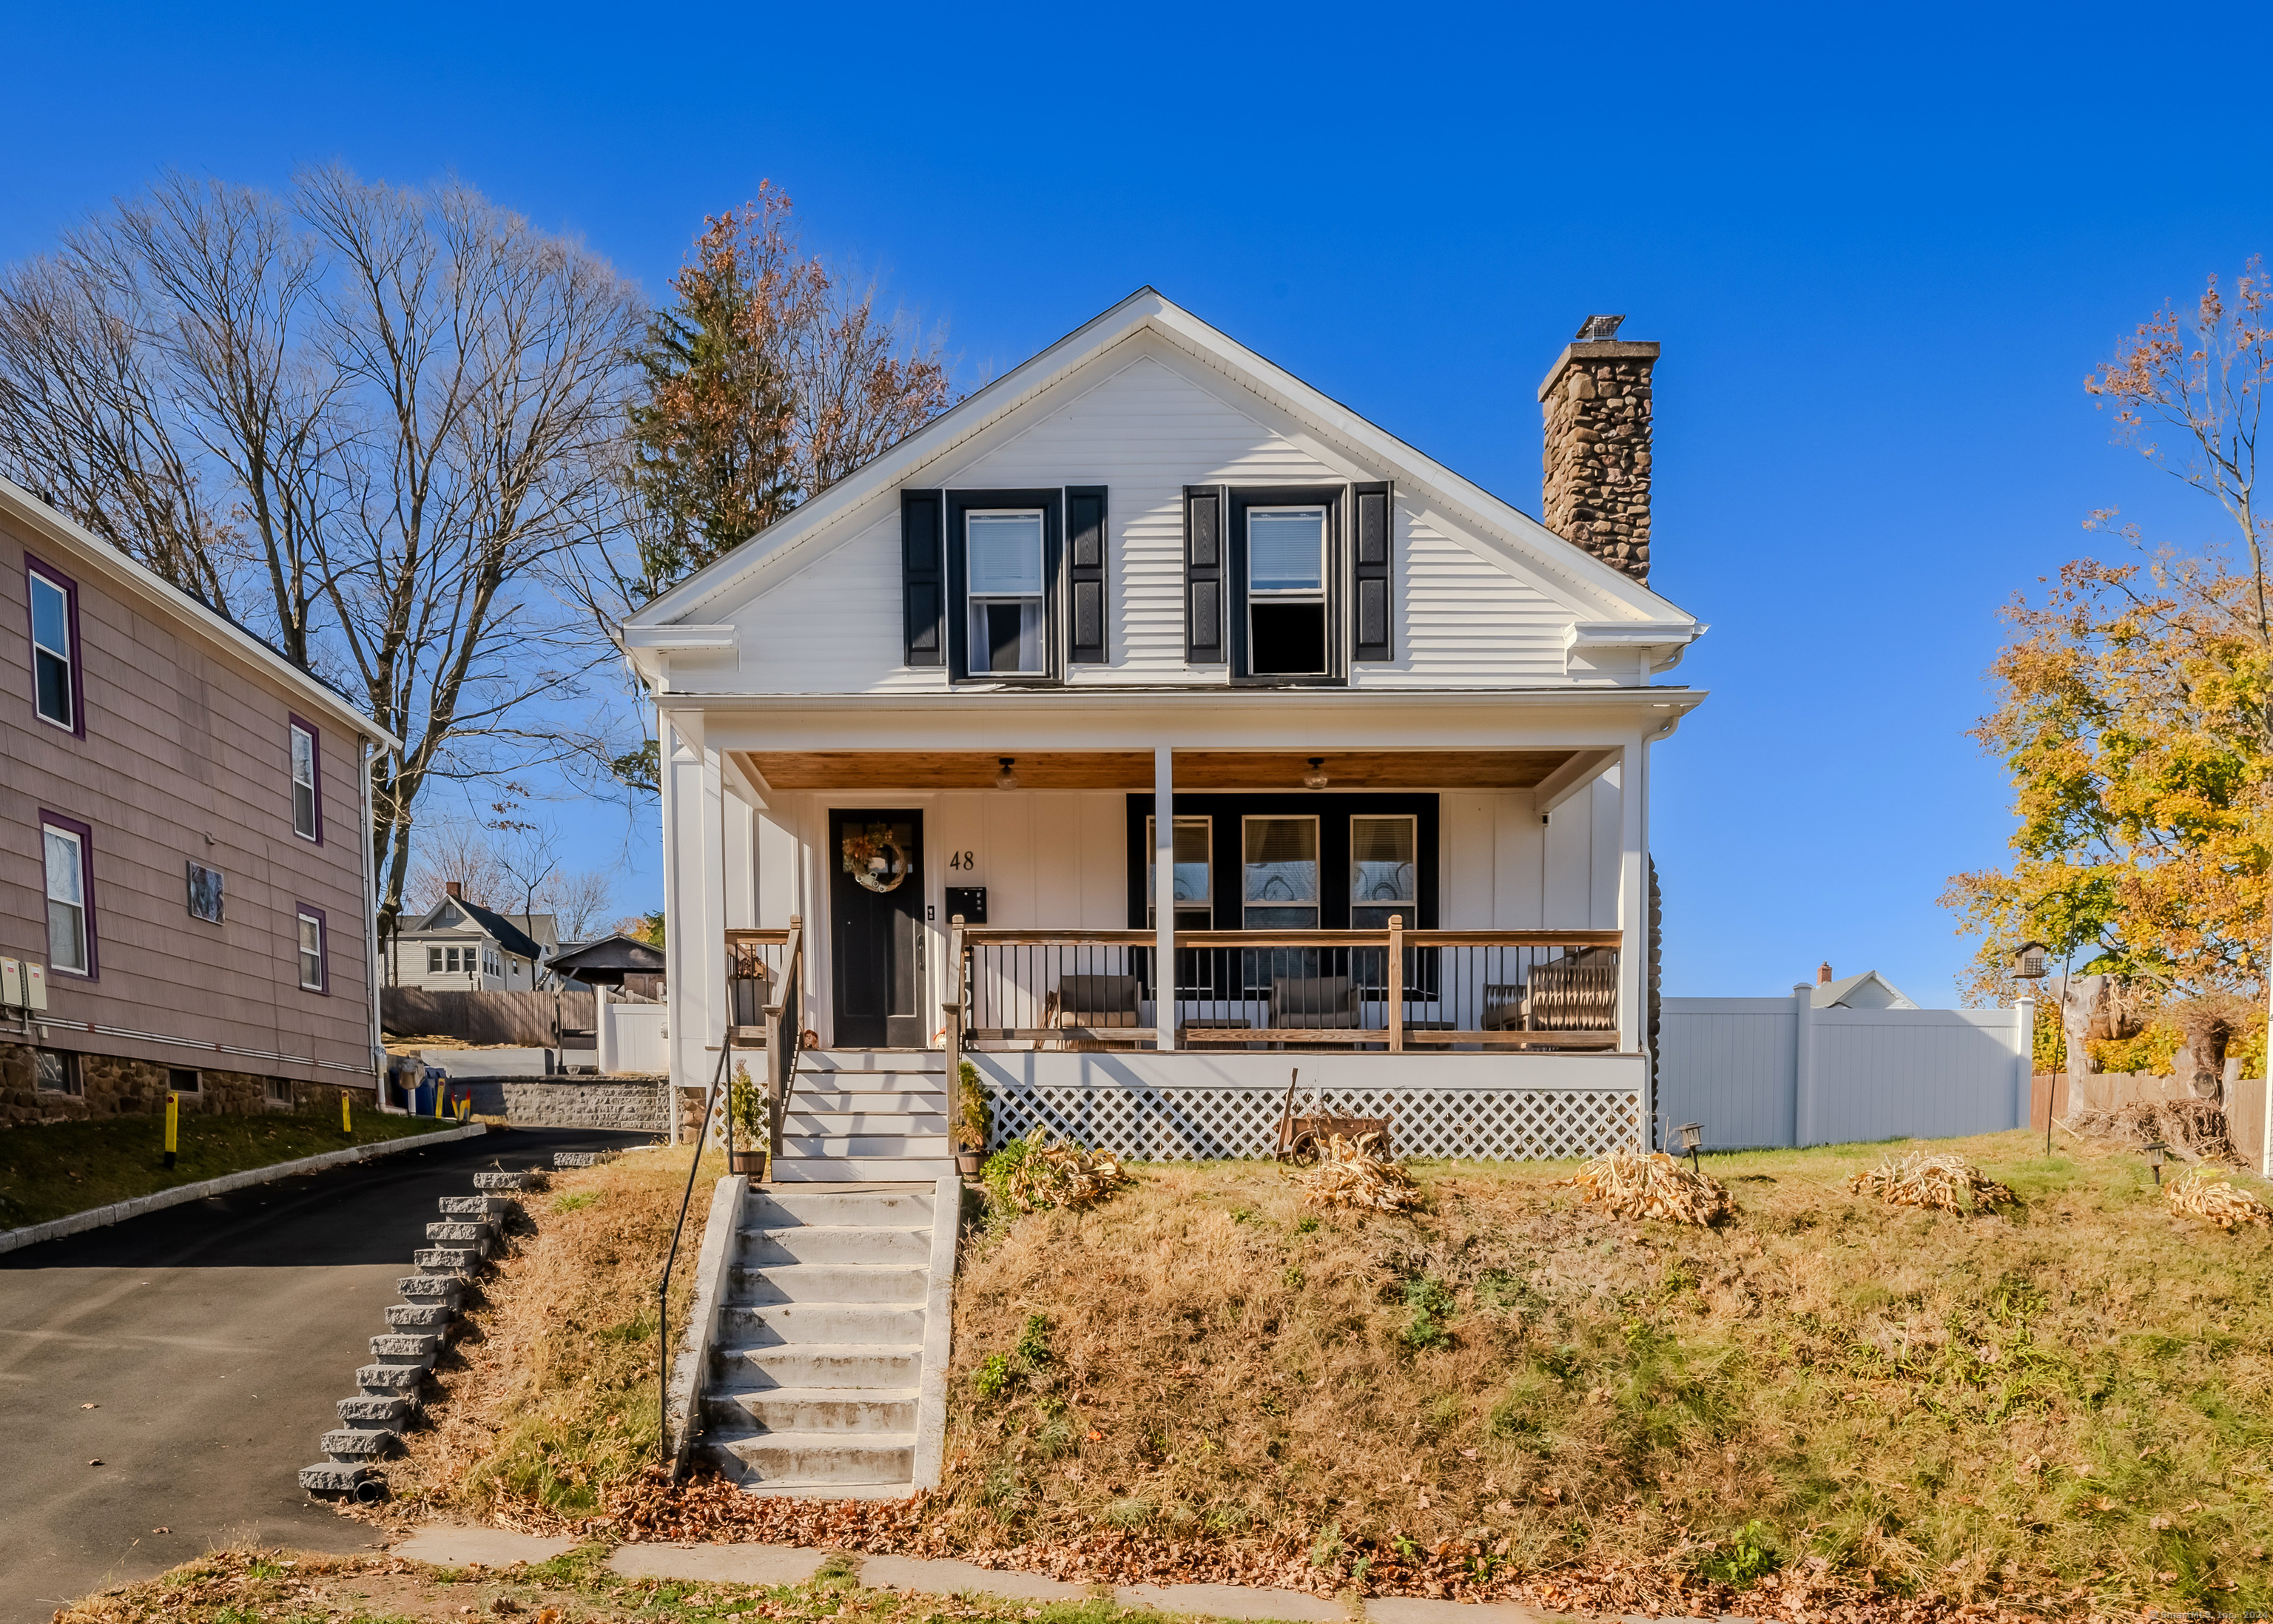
(962, 860)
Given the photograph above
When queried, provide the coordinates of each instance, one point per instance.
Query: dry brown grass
(2071, 1402)
(548, 1400)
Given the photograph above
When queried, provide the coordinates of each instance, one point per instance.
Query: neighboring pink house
(184, 851)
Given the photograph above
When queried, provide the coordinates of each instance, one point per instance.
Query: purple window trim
(309, 910)
(33, 565)
(315, 770)
(72, 825)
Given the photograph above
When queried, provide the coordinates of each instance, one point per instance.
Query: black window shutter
(1087, 571)
(1373, 572)
(1203, 552)
(923, 586)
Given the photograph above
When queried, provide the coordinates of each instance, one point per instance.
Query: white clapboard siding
(1774, 1072)
(1145, 430)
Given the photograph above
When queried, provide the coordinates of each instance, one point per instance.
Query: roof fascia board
(91, 551)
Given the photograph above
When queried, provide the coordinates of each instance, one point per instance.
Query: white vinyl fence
(1778, 1072)
(631, 1038)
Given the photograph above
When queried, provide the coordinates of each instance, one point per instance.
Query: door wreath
(875, 859)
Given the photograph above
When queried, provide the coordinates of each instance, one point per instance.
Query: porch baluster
(1396, 983)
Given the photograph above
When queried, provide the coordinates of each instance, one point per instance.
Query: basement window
(56, 1072)
(182, 1080)
(1286, 591)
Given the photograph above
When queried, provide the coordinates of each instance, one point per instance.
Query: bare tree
(455, 851)
(579, 900)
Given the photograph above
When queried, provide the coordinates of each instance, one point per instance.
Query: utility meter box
(35, 986)
(12, 983)
(970, 902)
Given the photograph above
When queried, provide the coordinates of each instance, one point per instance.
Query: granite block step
(450, 1233)
(431, 1289)
(394, 1412)
(385, 1379)
(531, 1181)
(420, 1316)
(475, 1206)
(352, 1443)
(406, 1348)
(448, 1260)
(332, 1477)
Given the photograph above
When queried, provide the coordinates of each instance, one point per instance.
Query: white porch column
(694, 943)
(1164, 896)
(603, 1030)
(1633, 898)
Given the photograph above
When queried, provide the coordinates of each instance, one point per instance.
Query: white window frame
(68, 1080)
(1291, 595)
(78, 964)
(313, 830)
(35, 577)
(433, 960)
(303, 919)
(1205, 904)
(977, 647)
(1317, 880)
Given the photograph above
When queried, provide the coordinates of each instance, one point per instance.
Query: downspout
(370, 933)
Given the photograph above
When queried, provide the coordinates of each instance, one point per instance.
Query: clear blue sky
(1881, 246)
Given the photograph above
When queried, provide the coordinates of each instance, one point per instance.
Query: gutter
(371, 936)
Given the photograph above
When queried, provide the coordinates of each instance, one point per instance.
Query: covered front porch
(1450, 908)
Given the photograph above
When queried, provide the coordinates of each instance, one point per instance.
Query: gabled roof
(499, 929)
(614, 955)
(1868, 991)
(666, 621)
(78, 549)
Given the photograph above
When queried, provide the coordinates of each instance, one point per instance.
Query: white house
(1403, 730)
(461, 946)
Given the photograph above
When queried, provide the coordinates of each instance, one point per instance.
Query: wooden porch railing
(1393, 990)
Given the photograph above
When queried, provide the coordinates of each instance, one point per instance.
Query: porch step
(765, 1461)
(822, 1094)
(774, 1283)
(929, 1061)
(885, 1203)
(854, 1170)
(756, 1324)
(833, 1242)
(825, 1122)
(860, 1413)
(751, 1368)
(871, 1147)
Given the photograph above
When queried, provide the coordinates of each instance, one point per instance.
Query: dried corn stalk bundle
(1633, 1185)
(1349, 1174)
(2200, 1194)
(1948, 1182)
(1039, 1171)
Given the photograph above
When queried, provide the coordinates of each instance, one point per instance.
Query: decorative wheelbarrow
(1302, 1139)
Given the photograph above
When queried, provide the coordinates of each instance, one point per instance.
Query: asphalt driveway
(163, 1381)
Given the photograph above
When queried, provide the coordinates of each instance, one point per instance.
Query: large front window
(1286, 591)
(1003, 576)
(1280, 874)
(1384, 878)
(1192, 873)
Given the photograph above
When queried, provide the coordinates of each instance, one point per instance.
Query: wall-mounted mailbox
(970, 902)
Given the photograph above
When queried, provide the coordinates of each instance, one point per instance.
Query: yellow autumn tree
(2135, 703)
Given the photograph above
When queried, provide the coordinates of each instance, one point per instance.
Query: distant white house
(1868, 991)
(463, 946)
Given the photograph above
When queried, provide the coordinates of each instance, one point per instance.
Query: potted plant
(973, 1120)
(746, 1107)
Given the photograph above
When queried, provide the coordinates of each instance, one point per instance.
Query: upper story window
(71, 890)
(307, 794)
(56, 686)
(1286, 591)
(1005, 582)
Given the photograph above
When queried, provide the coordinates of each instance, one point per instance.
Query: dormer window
(1003, 565)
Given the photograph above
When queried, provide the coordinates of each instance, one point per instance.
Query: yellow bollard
(347, 1121)
(173, 1126)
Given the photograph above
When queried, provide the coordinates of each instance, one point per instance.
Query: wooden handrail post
(1396, 983)
(952, 1006)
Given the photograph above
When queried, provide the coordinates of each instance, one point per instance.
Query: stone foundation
(112, 1086)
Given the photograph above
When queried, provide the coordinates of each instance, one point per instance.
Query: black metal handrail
(663, 1292)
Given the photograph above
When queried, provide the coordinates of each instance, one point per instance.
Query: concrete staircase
(867, 1115)
(817, 1368)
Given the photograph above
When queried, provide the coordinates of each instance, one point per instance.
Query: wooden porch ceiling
(1132, 769)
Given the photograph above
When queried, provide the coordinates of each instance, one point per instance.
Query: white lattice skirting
(1137, 1105)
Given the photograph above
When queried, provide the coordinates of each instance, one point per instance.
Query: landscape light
(2155, 1149)
(1692, 1136)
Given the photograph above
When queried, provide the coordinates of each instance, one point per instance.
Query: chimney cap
(1597, 327)
(1823, 974)
(452, 889)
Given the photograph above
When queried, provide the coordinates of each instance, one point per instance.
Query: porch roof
(1132, 769)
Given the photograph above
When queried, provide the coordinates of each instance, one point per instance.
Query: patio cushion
(1097, 1000)
(1309, 1001)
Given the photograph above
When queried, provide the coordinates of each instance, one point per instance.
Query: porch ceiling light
(1316, 778)
(2029, 960)
(1006, 779)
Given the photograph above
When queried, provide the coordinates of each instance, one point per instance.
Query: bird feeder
(2029, 960)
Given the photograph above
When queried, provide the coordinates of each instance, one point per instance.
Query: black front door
(875, 902)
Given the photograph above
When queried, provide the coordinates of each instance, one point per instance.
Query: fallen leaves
(1654, 1186)
(1948, 1183)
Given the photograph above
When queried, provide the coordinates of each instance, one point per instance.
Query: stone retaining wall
(632, 1105)
(113, 1085)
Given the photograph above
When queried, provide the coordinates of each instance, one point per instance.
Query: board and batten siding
(186, 756)
(1145, 430)
(1778, 1072)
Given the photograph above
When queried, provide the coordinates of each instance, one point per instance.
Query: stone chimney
(453, 890)
(1594, 475)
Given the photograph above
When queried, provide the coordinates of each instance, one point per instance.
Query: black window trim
(1051, 500)
(1335, 499)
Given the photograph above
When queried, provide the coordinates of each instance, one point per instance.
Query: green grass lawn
(61, 1168)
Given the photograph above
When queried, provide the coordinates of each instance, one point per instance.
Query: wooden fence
(532, 1020)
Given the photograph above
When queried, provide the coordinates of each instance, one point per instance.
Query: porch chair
(1301, 1003)
(1092, 1003)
